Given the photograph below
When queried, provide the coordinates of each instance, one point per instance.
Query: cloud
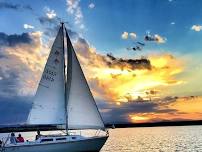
(44, 20)
(196, 28)
(159, 39)
(172, 23)
(117, 80)
(51, 25)
(51, 20)
(101, 70)
(134, 111)
(124, 35)
(128, 64)
(82, 26)
(14, 39)
(133, 77)
(155, 38)
(120, 114)
(181, 108)
(165, 109)
(7, 5)
(21, 63)
(74, 9)
(22, 58)
(133, 35)
(50, 13)
(91, 5)
(27, 26)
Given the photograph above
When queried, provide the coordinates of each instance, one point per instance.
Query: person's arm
(16, 140)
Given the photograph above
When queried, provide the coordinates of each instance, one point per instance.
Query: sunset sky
(167, 87)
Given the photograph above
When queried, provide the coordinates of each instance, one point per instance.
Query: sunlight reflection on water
(155, 139)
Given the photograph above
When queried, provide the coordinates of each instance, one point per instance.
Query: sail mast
(68, 76)
(65, 80)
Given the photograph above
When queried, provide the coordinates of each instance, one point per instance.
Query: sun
(138, 119)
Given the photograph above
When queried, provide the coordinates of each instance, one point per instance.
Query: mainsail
(82, 110)
(49, 103)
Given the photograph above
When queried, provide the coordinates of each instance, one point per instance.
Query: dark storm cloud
(133, 63)
(120, 114)
(14, 39)
(16, 110)
(6, 5)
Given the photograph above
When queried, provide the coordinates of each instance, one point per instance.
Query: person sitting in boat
(20, 138)
(13, 139)
(38, 134)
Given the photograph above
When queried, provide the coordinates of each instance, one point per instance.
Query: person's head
(38, 132)
(12, 134)
(19, 135)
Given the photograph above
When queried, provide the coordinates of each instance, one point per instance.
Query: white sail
(49, 103)
(82, 110)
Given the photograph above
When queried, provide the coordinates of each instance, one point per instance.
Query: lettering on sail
(49, 75)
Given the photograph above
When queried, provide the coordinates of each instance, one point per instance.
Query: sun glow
(138, 119)
(123, 84)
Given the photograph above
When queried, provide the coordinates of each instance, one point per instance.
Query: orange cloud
(156, 117)
(114, 79)
(188, 105)
(183, 108)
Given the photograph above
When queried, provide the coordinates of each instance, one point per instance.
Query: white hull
(84, 145)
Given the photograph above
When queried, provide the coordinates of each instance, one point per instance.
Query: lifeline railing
(2, 148)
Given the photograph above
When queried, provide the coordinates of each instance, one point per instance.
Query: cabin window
(73, 137)
(45, 140)
(60, 139)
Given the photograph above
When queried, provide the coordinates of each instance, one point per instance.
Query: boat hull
(87, 145)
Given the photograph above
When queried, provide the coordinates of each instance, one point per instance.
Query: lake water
(148, 139)
(155, 139)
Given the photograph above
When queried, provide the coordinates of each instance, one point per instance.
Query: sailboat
(63, 98)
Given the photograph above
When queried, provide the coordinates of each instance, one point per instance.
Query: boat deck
(50, 139)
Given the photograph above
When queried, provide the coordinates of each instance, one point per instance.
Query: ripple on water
(155, 139)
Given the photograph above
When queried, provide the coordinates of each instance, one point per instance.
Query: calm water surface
(155, 139)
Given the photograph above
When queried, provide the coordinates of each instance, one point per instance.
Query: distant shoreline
(25, 128)
(155, 124)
